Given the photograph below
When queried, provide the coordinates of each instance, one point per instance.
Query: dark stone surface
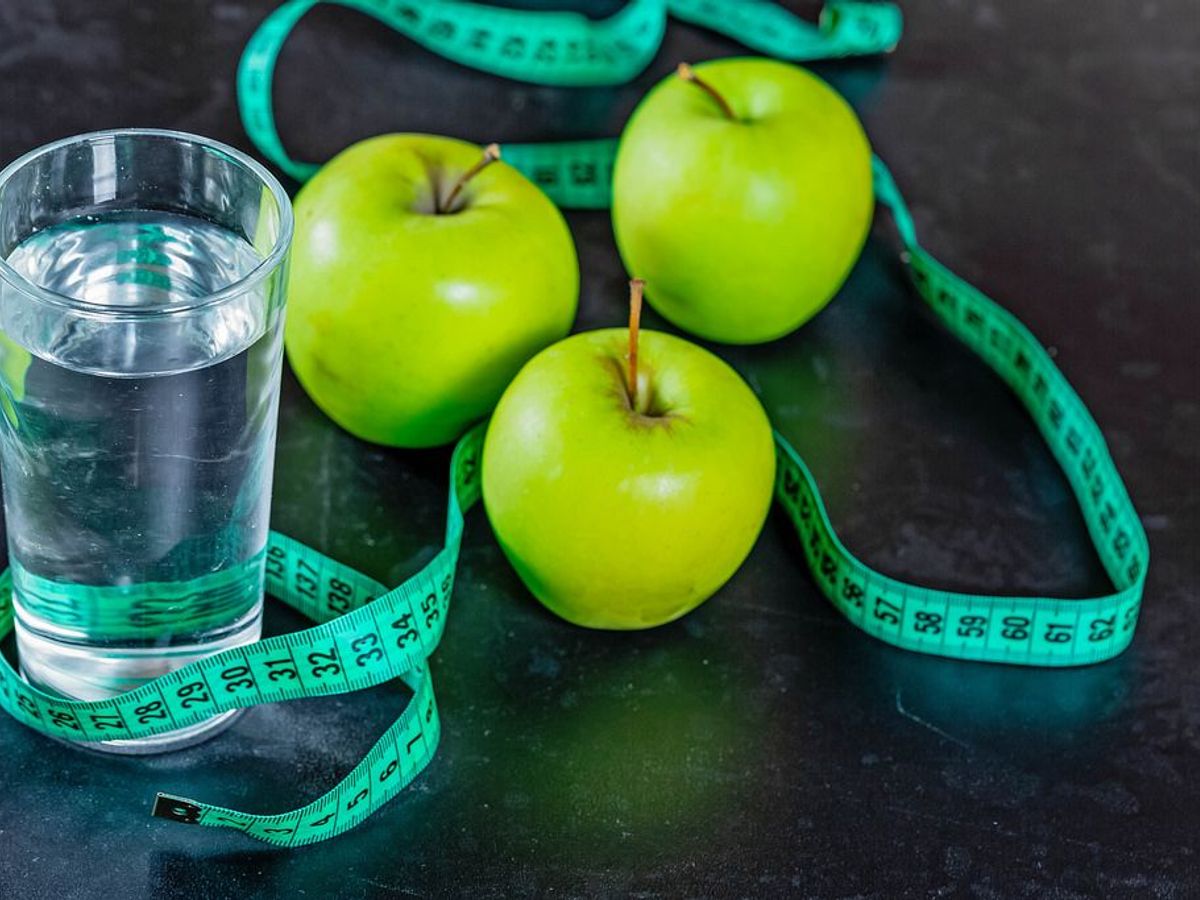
(762, 746)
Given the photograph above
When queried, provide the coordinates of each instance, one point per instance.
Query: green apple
(423, 278)
(742, 193)
(623, 511)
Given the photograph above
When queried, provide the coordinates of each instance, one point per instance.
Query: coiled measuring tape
(563, 48)
(370, 635)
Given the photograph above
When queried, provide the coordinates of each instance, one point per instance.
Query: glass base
(164, 743)
(90, 673)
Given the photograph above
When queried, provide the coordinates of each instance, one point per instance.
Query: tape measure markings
(844, 28)
(116, 612)
(563, 49)
(360, 616)
(575, 174)
(1025, 630)
(369, 635)
(391, 764)
(569, 173)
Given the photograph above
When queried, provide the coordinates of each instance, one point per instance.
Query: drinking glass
(142, 291)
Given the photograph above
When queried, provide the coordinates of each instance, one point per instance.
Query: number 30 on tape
(368, 635)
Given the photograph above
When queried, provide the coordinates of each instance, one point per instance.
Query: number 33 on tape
(367, 634)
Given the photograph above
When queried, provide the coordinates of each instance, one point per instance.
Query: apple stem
(687, 73)
(636, 287)
(491, 153)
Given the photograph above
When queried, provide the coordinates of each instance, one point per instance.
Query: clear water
(136, 454)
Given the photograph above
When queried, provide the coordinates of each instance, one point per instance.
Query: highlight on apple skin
(425, 273)
(742, 193)
(622, 507)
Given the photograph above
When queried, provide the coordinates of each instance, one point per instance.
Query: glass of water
(142, 290)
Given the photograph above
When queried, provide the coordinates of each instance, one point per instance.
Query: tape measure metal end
(177, 809)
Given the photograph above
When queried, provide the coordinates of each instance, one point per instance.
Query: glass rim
(265, 267)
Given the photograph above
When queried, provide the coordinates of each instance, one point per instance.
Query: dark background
(761, 746)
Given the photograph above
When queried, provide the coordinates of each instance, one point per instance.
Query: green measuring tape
(370, 635)
(564, 49)
(117, 613)
(1036, 631)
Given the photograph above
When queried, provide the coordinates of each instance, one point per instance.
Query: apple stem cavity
(636, 288)
(491, 153)
(687, 73)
